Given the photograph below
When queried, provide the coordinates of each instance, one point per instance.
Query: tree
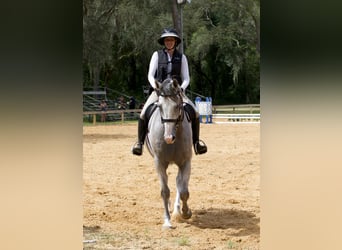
(98, 24)
(220, 38)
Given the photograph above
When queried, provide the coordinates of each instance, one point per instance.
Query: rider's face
(169, 42)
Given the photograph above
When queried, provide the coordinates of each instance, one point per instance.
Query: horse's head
(170, 104)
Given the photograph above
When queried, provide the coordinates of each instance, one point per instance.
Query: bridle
(178, 100)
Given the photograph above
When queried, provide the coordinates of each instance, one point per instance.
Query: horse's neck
(155, 121)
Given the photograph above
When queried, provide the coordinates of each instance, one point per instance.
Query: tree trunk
(132, 83)
(96, 77)
(177, 20)
(257, 31)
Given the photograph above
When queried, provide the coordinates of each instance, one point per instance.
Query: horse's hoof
(177, 216)
(187, 215)
(167, 225)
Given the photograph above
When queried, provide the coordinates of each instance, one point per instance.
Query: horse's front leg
(165, 192)
(183, 178)
(176, 207)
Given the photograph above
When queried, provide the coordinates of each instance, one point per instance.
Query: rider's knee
(191, 111)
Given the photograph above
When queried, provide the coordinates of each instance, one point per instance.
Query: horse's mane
(170, 87)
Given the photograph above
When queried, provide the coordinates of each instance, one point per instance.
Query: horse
(169, 141)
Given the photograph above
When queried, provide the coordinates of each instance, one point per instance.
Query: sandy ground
(122, 204)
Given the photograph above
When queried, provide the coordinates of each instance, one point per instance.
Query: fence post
(209, 110)
(94, 119)
(205, 109)
(197, 103)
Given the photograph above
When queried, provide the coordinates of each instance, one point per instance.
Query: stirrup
(137, 148)
(200, 149)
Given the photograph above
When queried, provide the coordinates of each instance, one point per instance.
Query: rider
(169, 63)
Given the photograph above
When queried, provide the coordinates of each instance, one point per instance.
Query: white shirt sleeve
(153, 69)
(185, 73)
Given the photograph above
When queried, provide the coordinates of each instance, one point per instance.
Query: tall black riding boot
(199, 145)
(138, 146)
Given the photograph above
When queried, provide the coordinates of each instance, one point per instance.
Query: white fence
(246, 113)
(233, 118)
(218, 114)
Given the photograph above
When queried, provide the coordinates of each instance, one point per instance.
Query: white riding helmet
(169, 32)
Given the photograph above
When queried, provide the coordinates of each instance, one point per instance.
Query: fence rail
(231, 118)
(124, 113)
(249, 108)
(221, 113)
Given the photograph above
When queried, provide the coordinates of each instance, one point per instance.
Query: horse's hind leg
(182, 192)
(165, 194)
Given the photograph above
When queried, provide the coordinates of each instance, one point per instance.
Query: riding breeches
(154, 98)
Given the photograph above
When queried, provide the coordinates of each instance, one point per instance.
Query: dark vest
(176, 61)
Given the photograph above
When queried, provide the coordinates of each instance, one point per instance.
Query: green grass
(230, 244)
(183, 241)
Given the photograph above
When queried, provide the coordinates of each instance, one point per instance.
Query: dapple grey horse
(169, 140)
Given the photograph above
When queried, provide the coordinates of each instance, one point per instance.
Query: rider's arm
(152, 69)
(185, 73)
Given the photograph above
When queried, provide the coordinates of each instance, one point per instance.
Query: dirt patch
(122, 204)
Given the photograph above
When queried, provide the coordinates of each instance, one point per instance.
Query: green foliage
(221, 42)
(222, 45)
(183, 241)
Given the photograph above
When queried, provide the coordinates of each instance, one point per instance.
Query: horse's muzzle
(169, 139)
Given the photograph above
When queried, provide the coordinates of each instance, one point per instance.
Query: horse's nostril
(170, 139)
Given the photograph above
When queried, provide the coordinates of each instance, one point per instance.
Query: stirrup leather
(200, 147)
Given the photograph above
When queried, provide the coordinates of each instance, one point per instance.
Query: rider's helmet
(169, 32)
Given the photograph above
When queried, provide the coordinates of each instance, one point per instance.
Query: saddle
(189, 112)
(149, 111)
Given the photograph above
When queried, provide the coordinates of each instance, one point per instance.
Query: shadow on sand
(243, 222)
(91, 229)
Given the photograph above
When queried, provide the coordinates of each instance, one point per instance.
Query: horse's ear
(158, 84)
(175, 82)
